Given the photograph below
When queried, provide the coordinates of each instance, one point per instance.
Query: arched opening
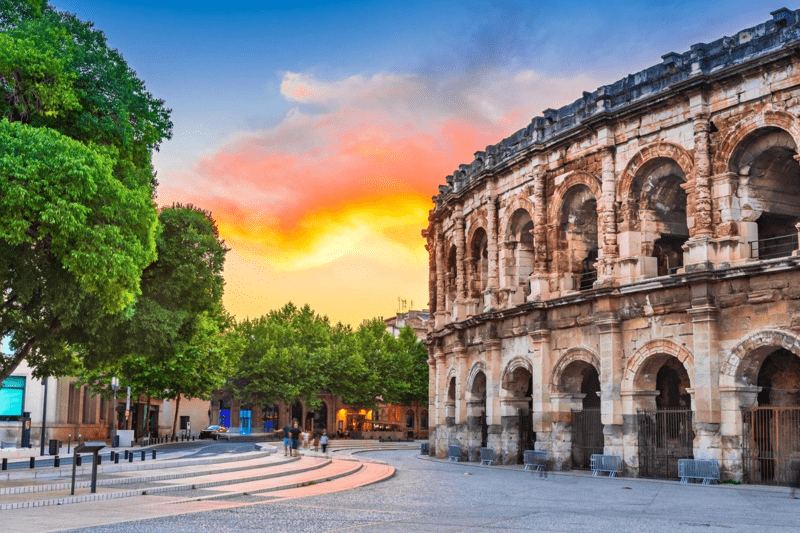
(582, 380)
(577, 237)
(316, 421)
(478, 264)
(772, 429)
(519, 384)
(410, 423)
(770, 178)
(451, 285)
(519, 254)
(450, 403)
(666, 433)
(476, 422)
(662, 203)
(423, 420)
(297, 413)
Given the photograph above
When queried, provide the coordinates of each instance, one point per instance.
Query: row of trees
(98, 282)
(295, 353)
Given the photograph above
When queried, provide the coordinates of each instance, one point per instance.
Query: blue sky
(317, 132)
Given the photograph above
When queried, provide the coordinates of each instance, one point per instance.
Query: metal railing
(774, 247)
(606, 463)
(705, 469)
(585, 280)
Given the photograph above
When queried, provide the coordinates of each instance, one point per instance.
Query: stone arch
(572, 355)
(510, 379)
(648, 357)
(726, 151)
(650, 152)
(451, 384)
(474, 226)
(745, 359)
(569, 181)
(477, 368)
(518, 202)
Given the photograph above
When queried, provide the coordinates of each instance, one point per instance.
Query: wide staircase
(247, 477)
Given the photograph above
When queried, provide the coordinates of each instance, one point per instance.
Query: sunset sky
(317, 133)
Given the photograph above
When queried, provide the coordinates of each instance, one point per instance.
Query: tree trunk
(175, 421)
(10, 365)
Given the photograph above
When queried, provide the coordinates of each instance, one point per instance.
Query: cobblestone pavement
(434, 496)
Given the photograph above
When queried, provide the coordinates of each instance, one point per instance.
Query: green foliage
(179, 340)
(295, 354)
(286, 353)
(77, 129)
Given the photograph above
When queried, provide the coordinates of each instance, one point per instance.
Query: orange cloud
(348, 181)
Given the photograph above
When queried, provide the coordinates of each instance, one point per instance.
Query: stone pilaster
(698, 252)
(440, 442)
(462, 367)
(611, 369)
(461, 278)
(706, 373)
(608, 253)
(440, 267)
(539, 346)
(540, 279)
(492, 249)
(733, 401)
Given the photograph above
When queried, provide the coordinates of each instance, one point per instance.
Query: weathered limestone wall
(621, 234)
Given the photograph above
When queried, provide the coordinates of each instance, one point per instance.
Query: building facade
(71, 412)
(622, 275)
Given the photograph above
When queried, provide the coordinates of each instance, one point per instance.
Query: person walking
(295, 433)
(287, 440)
(324, 441)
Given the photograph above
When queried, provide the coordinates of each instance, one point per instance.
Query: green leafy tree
(179, 341)
(285, 357)
(77, 220)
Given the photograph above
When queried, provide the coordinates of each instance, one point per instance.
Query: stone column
(697, 249)
(440, 395)
(611, 369)
(734, 400)
(462, 367)
(608, 221)
(509, 420)
(459, 313)
(440, 273)
(707, 443)
(494, 376)
(539, 346)
(540, 283)
(562, 405)
(491, 249)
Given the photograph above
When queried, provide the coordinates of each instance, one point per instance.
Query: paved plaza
(436, 496)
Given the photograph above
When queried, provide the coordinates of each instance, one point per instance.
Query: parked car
(212, 432)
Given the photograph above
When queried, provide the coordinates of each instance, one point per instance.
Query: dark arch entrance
(666, 434)
(316, 421)
(582, 379)
(772, 428)
(477, 426)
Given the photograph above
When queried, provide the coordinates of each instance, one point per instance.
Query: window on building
(88, 407)
(73, 408)
(12, 398)
(103, 409)
(184, 422)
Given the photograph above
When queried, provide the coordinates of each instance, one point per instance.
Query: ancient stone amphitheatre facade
(622, 275)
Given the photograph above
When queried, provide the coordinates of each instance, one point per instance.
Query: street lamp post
(115, 388)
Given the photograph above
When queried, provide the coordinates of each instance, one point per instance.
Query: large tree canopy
(77, 218)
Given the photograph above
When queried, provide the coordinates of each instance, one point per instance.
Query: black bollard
(116, 458)
(78, 460)
(56, 462)
(154, 454)
(130, 457)
(5, 463)
(126, 454)
(33, 462)
(99, 459)
(142, 455)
